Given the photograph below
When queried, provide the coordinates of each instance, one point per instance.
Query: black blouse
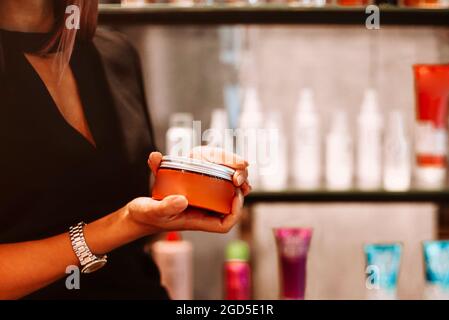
(51, 177)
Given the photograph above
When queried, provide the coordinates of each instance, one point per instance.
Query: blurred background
(292, 66)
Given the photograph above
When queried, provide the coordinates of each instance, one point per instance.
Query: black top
(51, 177)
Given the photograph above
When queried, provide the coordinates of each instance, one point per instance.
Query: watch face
(94, 266)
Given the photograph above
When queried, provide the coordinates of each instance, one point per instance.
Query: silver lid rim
(198, 166)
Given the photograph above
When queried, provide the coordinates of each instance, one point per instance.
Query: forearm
(29, 266)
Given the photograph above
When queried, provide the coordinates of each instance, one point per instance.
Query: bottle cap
(237, 250)
(173, 236)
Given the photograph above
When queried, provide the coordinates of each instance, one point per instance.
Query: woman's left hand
(200, 219)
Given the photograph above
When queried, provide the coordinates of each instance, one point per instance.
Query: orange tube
(202, 191)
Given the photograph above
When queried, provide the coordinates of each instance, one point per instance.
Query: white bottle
(369, 144)
(397, 157)
(173, 257)
(180, 135)
(250, 122)
(220, 135)
(274, 163)
(307, 143)
(339, 154)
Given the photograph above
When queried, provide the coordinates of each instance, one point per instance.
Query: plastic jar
(206, 185)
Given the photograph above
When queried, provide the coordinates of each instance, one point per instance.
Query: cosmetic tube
(382, 270)
(436, 261)
(293, 247)
(432, 92)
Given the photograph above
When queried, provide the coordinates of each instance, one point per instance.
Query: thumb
(170, 205)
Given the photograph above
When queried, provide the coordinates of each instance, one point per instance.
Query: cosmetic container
(432, 93)
(397, 157)
(174, 258)
(293, 247)
(237, 271)
(382, 270)
(436, 261)
(307, 143)
(369, 143)
(206, 185)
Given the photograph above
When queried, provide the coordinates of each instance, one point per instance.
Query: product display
(237, 272)
(174, 258)
(293, 247)
(250, 122)
(307, 143)
(436, 260)
(205, 185)
(369, 143)
(432, 92)
(180, 136)
(397, 157)
(339, 154)
(382, 270)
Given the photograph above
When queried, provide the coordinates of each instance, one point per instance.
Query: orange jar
(206, 185)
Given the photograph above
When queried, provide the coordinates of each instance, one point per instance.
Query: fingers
(236, 214)
(219, 156)
(240, 177)
(154, 161)
(200, 220)
(246, 189)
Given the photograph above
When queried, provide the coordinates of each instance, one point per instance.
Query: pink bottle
(237, 272)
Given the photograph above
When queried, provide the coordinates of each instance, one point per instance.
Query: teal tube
(382, 269)
(436, 261)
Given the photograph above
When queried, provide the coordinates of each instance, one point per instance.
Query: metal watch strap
(82, 251)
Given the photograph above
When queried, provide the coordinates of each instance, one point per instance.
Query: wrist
(113, 231)
(135, 227)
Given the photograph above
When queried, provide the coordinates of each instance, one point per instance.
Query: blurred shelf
(439, 197)
(173, 14)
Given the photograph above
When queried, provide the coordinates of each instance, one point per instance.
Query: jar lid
(198, 166)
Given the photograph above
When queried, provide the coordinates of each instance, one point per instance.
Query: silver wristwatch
(89, 262)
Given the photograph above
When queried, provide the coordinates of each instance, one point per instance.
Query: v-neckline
(57, 112)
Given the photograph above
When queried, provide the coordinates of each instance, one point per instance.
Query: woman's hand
(173, 213)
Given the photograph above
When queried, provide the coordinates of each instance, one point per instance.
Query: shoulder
(114, 46)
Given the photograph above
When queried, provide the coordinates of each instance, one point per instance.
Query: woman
(75, 136)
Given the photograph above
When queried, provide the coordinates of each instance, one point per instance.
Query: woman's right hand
(173, 214)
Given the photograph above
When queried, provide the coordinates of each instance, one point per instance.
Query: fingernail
(240, 179)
